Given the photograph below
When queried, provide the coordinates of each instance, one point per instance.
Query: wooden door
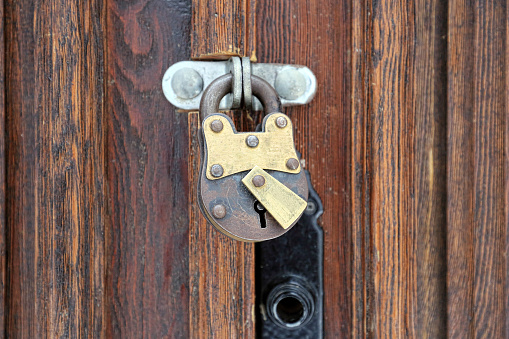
(406, 141)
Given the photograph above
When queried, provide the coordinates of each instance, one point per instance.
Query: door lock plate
(289, 287)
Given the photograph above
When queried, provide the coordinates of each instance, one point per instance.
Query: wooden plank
(221, 269)
(223, 29)
(477, 224)
(3, 226)
(147, 279)
(506, 169)
(362, 249)
(398, 169)
(392, 141)
(55, 208)
(317, 34)
(429, 187)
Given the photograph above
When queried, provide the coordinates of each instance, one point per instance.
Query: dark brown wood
(429, 104)
(222, 29)
(477, 172)
(506, 110)
(3, 226)
(391, 226)
(55, 207)
(362, 281)
(398, 169)
(221, 269)
(317, 34)
(147, 280)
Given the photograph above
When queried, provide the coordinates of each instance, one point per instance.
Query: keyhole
(261, 211)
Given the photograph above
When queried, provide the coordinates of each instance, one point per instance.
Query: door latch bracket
(184, 82)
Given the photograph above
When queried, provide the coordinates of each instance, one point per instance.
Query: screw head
(258, 181)
(187, 83)
(252, 141)
(292, 164)
(310, 208)
(290, 83)
(216, 170)
(281, 122)
(216, 126)
(219, 211)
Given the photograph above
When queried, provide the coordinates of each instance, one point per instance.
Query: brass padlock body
(239, 219)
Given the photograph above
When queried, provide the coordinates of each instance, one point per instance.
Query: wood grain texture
(506, 110)
(3, 226)
(398, 169)
(429, 188)
(392, 143)
(222, 29)
(221, 269)
(362, 245)
(147, 149)
(477, 171)
(317, 34)
(55, 207)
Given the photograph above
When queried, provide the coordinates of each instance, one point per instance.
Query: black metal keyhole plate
(289, 278)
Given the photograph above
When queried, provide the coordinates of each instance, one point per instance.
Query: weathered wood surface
(385, 113)
(3, 226)
(398, 164)
(55, 152)
(147, 237)
(222, 29)
(477, 172)
(429, 129)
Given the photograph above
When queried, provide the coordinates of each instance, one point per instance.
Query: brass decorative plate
(229, 149)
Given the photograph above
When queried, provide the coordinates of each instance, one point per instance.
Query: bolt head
(187, 83)
(281, 122)
(310, 208)
(292, 164)
(216, 170)
(219, 211)
(258, 181)
(216, 126)
(252, 141)
(290, 83)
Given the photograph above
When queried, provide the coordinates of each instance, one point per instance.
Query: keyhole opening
(261, 212)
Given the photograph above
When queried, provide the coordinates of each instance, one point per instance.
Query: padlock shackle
(223, 85)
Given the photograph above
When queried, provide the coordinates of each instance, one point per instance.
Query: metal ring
(236, 70)
(246, 83)
(218, 88)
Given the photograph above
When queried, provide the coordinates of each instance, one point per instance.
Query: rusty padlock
(251, 186)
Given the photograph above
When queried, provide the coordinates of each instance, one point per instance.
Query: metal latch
(184, 82)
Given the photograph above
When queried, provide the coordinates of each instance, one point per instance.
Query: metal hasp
(289, 278)
(185, 81)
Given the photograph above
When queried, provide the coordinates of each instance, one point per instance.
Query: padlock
(251, 187)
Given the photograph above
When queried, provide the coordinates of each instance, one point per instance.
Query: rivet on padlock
(240, 171)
